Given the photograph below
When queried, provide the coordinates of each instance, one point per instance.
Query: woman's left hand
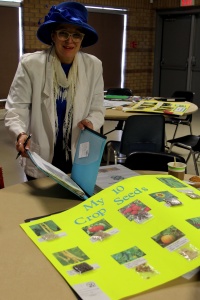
(85, 123)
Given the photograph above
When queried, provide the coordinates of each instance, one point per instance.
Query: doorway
(177, 53)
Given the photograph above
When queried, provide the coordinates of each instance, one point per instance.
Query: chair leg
(175, 131)
(197, 158)
(187, 159)
(194, 161)
(186, 170)
(115, 157)
(195, 164)
(118, 127)
(166, 145)
(108, 154)
(190, 128)
(170, 148)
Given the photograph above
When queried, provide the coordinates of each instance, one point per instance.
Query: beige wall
(141, 30)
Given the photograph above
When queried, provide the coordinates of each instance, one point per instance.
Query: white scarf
(69, 86)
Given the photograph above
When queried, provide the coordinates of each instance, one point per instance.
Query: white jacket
(30, 103)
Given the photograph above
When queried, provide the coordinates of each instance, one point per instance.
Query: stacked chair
(187, 120)
(188, 142)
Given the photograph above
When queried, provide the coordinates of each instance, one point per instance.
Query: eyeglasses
(63, 35)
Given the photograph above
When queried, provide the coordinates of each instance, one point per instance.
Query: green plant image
(136, 211)
(128, 255)
(101, 225)
(162, 196)
(194, 222)
(172, 182)
(45, 227)
(70, 256)
(168, 236)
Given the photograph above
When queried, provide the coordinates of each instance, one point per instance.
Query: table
(25, 273)
(119, 115)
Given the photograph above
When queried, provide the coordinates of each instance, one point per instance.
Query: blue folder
(85, 168)
(87, 159)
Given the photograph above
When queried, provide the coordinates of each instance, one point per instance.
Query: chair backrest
(119, 91)
(142, 160)
(188, 96)
(197, 145)
(143, 133)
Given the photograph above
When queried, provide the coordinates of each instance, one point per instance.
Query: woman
(57, 92)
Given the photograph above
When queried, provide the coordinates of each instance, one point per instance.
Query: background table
(119, 115)
(25, 273)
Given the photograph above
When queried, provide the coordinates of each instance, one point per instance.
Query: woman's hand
(85, 123)
(22, 137)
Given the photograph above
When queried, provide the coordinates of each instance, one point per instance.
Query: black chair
(187, 120)
(118, 92)
(141, 133)
(191, 143)
(142, 160)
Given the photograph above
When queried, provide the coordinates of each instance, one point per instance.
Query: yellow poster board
(162, 107)
(135, 235)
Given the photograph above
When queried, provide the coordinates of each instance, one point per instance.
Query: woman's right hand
(20, 144)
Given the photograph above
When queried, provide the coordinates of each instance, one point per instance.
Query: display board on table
(135, 235)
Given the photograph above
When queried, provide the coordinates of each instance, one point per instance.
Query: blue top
(59, 159)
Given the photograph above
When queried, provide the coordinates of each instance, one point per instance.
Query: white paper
(84, 150)
(192, 273)
(111, 174)
(115, 103)
(90, 290)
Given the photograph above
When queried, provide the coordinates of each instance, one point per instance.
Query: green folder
(116, 97)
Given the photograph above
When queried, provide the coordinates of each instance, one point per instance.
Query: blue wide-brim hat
(72, 13)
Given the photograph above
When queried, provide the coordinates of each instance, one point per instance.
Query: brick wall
(140, 35)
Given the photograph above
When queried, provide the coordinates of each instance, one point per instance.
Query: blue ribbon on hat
(55, 12)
